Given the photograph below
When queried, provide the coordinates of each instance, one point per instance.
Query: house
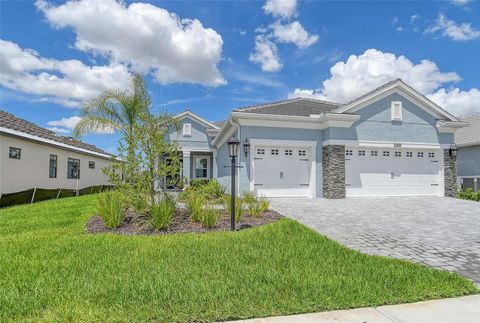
(34, 157)
(392, 141)
(467, 141)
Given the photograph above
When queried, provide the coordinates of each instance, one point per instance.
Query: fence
(41, 194)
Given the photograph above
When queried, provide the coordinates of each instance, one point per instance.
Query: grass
(51, 270)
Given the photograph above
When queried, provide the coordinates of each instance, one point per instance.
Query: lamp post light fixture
(233, 144)
(453, 151)
(246, 147)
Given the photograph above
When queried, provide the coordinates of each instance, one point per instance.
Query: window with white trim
(348, 152)
(288, 152)
(260, 151)
(431, 155)
(398, 154)
(274, 152)
(302, 152)
(409, 154)
(361, 153)
(374, 153)
(396, 110)
(187, 129)
(386, 153)
(420, 154)
(202, 167)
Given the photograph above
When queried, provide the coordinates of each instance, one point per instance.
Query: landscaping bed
(138, 224)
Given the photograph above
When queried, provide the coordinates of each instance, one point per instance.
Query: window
(288, 152)
(14, 153)
(420, 154)
(361, 153)
(91, 164)
(202, 167)
(431, 155)
(396, 109)
(73, 168)
(398, 154)
(409, 154)
(373, 153)
(274, 152)
(187, 129)
(302, 153)
(260, 151)
(386, 153)
(348, 152)
(52, 167)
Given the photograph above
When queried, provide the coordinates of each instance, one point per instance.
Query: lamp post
(453, 151)
(233, 144)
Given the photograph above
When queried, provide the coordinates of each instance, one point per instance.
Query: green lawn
(50, 269)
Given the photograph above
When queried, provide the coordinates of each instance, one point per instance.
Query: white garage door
(281, 171)
(392, 172)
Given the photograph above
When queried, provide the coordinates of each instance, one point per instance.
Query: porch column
(186, 165)
(450, 174)
(214, 161)
(334, 172)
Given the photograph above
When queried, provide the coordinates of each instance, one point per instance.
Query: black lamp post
(233, 144)
(453, 151)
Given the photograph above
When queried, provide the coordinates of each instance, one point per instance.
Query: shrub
(469, 194)
(139, 201)
(227, 202)
(198, 183)
(111, 207)
(255, 209)
(249, 197)
(264, 204)
(161, 214)
(195, 203)
(214, 189)
(210, 217)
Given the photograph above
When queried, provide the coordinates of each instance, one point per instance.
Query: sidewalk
(459, 310)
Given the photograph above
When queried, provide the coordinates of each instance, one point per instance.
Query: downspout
(237, 125)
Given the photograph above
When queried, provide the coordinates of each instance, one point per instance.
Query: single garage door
(281, 171)
(392, 172)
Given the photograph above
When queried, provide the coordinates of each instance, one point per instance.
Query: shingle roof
(293, 107)
(219, 123)
(9, 121)
(375, 90)
(469, 134)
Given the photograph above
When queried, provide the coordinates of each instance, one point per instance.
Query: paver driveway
(436, 231)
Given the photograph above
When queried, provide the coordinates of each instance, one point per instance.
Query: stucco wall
(223, 159)
(32, 169)
(198, 139)
(375, 124)
(468, 161)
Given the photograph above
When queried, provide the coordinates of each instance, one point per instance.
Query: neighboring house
(467, 141)
(32, 156)
(392, 141)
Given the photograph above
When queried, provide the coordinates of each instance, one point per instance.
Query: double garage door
(392, 172)
(281, 171)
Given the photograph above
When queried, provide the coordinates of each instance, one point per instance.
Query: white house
(34, 157)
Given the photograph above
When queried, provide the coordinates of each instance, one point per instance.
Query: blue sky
(56, 55)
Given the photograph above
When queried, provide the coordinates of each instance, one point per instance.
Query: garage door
(392, 172)
(281, 171)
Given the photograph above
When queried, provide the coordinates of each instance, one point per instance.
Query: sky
(213, 56)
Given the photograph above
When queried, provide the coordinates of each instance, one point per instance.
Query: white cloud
(414, 18)
(147, 38)
(281, 8)
(67, 82)
(363, 73)
(458, 102)
(460, 2)
(66, 125)
(266, 54)
(293, 33)
(453, 30)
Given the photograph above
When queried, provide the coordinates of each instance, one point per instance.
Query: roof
(219, 123)
(9, 121)
(292, 107)
(188, 113)
(469, 135)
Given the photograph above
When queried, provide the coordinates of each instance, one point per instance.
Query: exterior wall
(223, 159)
(32, 169)
(247, 132)
(468, 161)
(334, 172)
(450, 174)
(375, 124)
(198, 139)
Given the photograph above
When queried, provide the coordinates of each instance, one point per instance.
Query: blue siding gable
(375, 124)
(198, 139)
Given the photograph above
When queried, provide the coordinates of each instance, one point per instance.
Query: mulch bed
(137, 224)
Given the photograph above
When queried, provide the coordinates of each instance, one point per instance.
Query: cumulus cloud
(266, 54)
(147, 38)
(67, 82)
(66, 125)
(281, 8)
(451, 29)
(293, 33)
(365, 72)
(460, 2)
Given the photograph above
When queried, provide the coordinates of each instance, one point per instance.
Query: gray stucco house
(467, 141)
(392, 141)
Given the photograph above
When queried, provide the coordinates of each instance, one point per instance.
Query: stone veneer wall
(450, 174)
(334, 172)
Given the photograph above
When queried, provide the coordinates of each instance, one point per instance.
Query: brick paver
(439, 232)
